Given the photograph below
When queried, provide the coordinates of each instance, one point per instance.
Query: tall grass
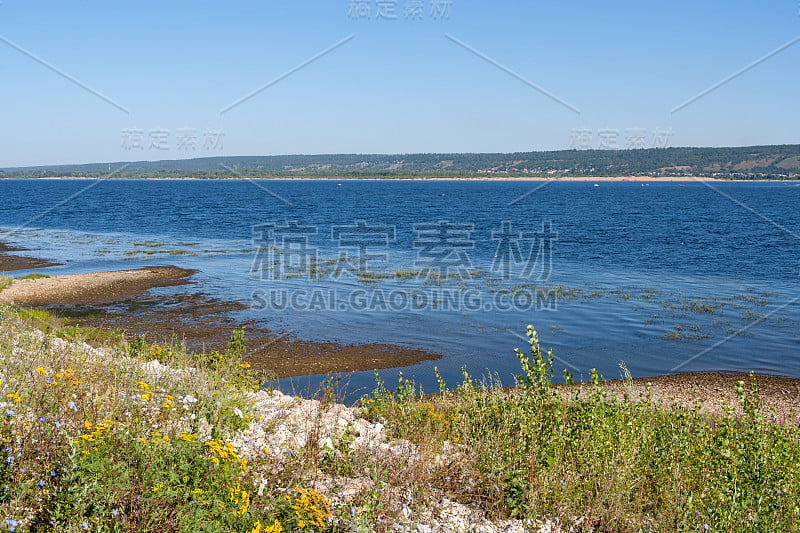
(99, 441)
(592, 460)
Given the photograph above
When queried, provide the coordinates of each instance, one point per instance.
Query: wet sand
(11, 262)
(119, 301)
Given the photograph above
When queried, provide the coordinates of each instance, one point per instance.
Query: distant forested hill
(778, 162)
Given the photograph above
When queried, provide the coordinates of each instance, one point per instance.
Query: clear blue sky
(397, 86)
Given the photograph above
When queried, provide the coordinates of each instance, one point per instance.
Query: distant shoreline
(653, 179)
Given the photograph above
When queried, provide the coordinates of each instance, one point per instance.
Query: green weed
(597, 462)
(33, 276)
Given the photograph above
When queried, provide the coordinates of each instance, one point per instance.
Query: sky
(94, 81)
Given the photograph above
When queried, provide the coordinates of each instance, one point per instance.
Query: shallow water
(663, 276)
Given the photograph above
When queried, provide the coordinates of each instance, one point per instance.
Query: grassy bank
(146, 437)
(586, 458)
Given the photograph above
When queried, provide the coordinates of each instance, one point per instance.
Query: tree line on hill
(755, 162)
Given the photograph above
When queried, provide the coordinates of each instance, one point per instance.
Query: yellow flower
(143, 385)
(274, 528)
(241, 498)
(14, 396)
(42, 370)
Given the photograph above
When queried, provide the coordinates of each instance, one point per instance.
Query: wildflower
(11, 524)
(84, 525)
(241, 498)
(274, 528)
(143, 385)
(14, 396)
(114, 512)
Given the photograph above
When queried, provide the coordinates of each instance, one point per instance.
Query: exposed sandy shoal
(92, 288)
(713, 391)
(205, 324)
(289, 357)
(10, 262)
(119, 301)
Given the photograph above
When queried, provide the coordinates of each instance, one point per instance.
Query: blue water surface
(665, 276)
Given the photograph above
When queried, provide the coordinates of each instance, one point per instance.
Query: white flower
(238, 412)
